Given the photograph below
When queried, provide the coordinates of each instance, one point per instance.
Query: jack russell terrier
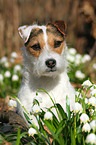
(45, 66)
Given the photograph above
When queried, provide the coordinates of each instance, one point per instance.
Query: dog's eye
(36, 47)
(57, 44)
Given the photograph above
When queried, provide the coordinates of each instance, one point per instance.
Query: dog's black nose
(50, 63)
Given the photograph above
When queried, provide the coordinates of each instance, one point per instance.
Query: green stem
(83, 140)
(75, 126)
(20, 103)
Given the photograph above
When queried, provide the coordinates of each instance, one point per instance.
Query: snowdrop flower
(77, 108)
(78, 94)
(38, 98)
(70, 58)
(86, 58)
(92, 101)
(48, 115)
(86, 100)
(78, 59)
(93, 87)
(86, 84)
(14, 55)
(6, 64)
(84, 118)
(94, 66)
(93, 93)
(15, 78)
(86, 127)
(35, 109)
(17, 68)
(12, 103)
(79, 56)
(91, 138)
(79, 74)
(32, 131)
(7, 74)
(93, 124)
(1, 78)
(91, 112)
(3, 59)
(72, 51)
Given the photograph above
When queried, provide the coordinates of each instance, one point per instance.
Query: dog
(45, 66)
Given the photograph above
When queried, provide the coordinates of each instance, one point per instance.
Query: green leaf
(52, 130)
(60, 127)
(27, 118)
(68, 107)
(61, 111)
(72, 137)
(18, 137)
(55, 120)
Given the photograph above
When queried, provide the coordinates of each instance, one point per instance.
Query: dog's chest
(56, 89)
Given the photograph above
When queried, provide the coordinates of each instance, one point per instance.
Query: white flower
(3, 59)
(86, 84)
(94, 66)
(12, 103)
(93, 87)
(84, 118)
(78, 94)
(17, 68)
(6, 64)
(78, 59)
(1, 77)
(48, 115)
(77, 108)
(14, 55)
(7, 74)
(86, 100)
(79, 74)
(32, 131)
(91, 112)
(91, 138)
(79, 56)
(35, 109)
(92, 101)
(93, 124)
(93, 93)
(70, 58)
(38, 98)
(86, 127)
(15, 78)
(86, 58)
(72, 51)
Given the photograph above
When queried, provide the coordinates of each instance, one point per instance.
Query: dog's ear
(60, 25)
(24, 32)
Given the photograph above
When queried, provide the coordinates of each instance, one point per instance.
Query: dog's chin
(51, 73)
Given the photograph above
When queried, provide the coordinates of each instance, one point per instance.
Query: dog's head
(44, 47)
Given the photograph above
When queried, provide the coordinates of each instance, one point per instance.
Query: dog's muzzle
(51, 63)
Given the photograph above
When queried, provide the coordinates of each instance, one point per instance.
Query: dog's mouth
(51, 70)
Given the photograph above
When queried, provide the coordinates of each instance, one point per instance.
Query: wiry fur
(37, 75)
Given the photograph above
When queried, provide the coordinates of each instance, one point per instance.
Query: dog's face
(45, 48)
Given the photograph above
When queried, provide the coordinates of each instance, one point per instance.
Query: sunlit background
(80, 17)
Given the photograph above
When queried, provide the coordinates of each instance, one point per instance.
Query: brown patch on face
(55, 39)
(36, 42)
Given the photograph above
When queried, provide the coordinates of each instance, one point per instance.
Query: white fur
(36, 75)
